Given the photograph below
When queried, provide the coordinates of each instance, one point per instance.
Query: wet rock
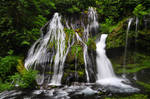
(37, 92)
(49, 92)
(9, 94)
(88, 91)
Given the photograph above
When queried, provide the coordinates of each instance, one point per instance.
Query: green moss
(5, 86)
(67, 73)
(145, 85)
(51, 44)
(133, 69)
(142, 63)
(91, 44)
(140, 11)
(50, 73)
(76, 51)
(81, 73)
(135, 96)
(117, 32)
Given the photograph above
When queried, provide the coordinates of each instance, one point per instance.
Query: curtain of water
(126, 45)
(50, 51)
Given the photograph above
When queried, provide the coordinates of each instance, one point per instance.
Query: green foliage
(20, 29)
(73, 9)
(140, 10)
(8, 66)
(77, 52)
(108, 8)
(72, 6)
(143, 62)
(107, 26)
(24, 80)
(81, 73)
(5, 86)
(21, 20)
(145, 85)
(69, 35)
(9, 77)
(91, 44)
(135, 96)
(76, 49)
(133, 69)
(69, 32)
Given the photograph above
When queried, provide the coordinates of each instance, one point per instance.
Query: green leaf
(25, 43)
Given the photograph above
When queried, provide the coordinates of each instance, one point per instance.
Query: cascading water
(126, 45)
(92, 19)
(106, 75)
(50, 51)
(86, 57)
(104, 66)
(41, 53)
(136, 35)
(61, 52)
(135, 49)
(91, 26)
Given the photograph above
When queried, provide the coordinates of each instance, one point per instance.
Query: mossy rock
(91, 44)
(70, 76)
(146, 86)
(135, 96)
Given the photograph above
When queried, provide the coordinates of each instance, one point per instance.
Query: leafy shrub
(5, 86)
(140, 10)
(13, 74)
(8, 66)
(91, 44)
(24, 80)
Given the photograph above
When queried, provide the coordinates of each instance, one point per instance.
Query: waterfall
(91, 27)
(60, 55)
(104, 66)
(137, 21)
(92, 19)
(135, 49)
(42, 55)
(49, 52)
(136, 35)
(85, 56)
(106, 75)
(126, 45)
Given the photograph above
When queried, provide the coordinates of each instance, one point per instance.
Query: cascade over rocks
(63, 56)
(64, 48)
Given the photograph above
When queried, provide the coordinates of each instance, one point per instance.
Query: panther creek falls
(72, 60)
(49, 53)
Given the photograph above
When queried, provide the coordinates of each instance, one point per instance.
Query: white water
(104, 66)
(126, 45)
(92, 24)
(50, 51)
(39, 54)
(135, 49)
(85, 49)
(92, 19)
(57, 29)
(106, 75)
(85, 56)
